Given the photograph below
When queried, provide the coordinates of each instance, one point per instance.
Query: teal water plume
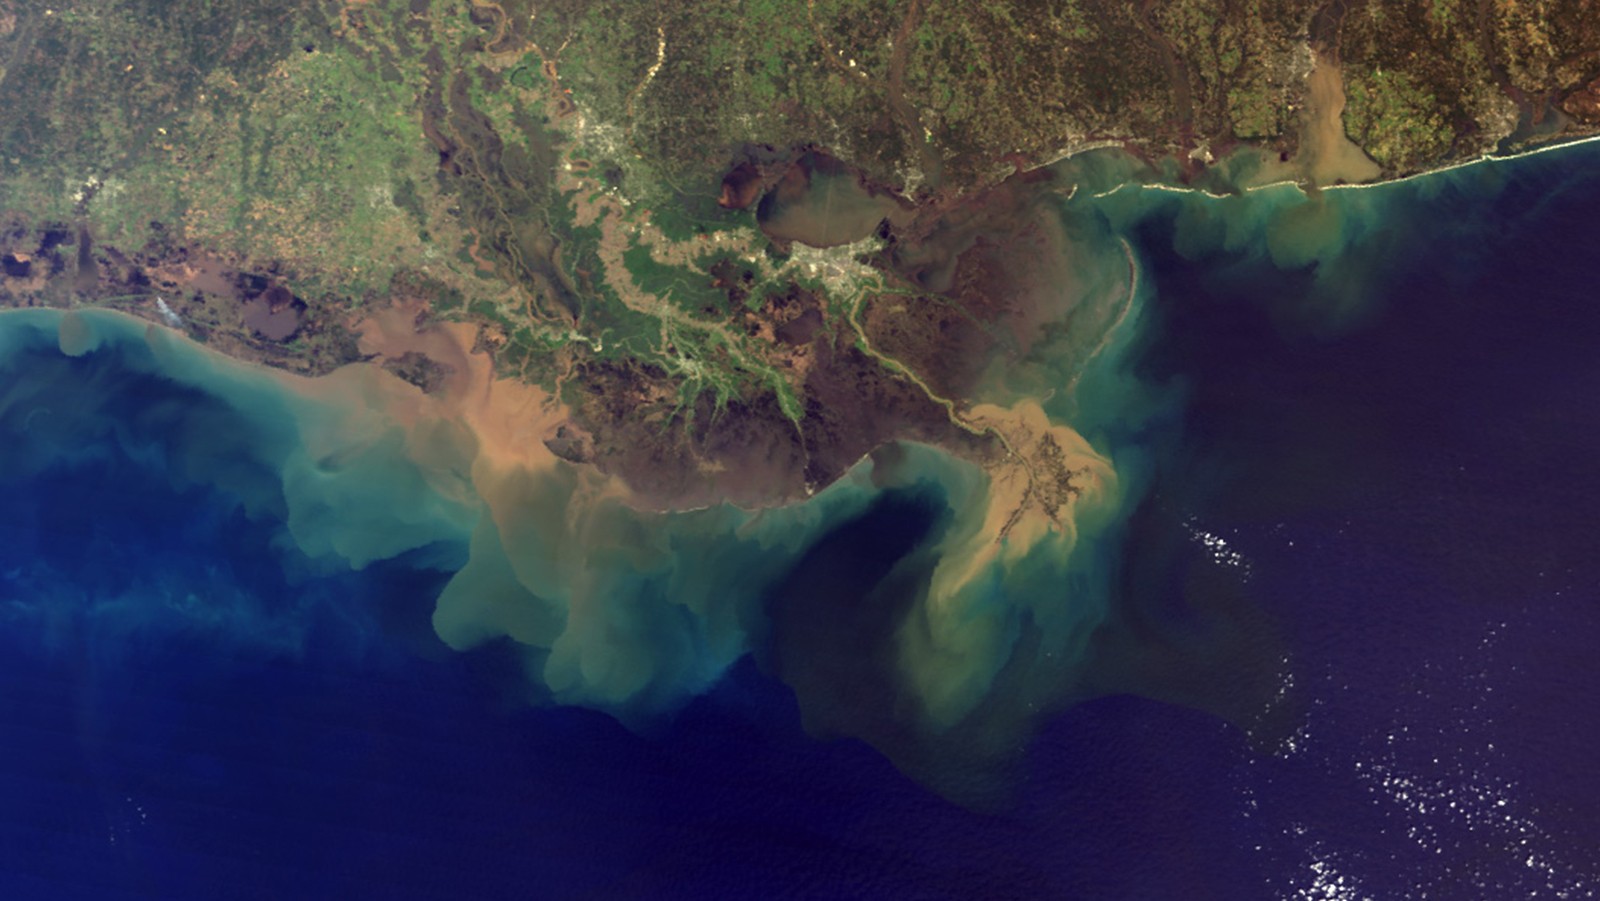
(913, 634)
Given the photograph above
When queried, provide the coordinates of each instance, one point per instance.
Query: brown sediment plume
(74, 335)
(953, 643)
(556, 532)
(481, 441)
(1327, 153)
(610, 603)
(510, 419)
(1033, 492)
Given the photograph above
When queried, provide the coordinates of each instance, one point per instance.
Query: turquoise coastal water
(634, 613)
(600, 605)
(258, 629)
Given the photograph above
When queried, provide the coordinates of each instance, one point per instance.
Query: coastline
(513, 429)
(1553, 146)
(365, 467)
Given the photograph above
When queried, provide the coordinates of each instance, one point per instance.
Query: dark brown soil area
(250, 315)
(749, 453)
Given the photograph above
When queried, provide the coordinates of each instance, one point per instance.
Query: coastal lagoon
(1320, 620)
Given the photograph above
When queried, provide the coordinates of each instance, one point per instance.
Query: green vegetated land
(262, 172)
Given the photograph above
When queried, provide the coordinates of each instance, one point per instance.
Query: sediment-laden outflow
(608, 605)
(933, 605)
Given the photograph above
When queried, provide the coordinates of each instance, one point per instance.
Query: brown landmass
(1583, 104)
(558, 142)
(246, 315)
(749, 453)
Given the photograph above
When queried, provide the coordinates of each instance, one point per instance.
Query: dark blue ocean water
(1409, 497)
